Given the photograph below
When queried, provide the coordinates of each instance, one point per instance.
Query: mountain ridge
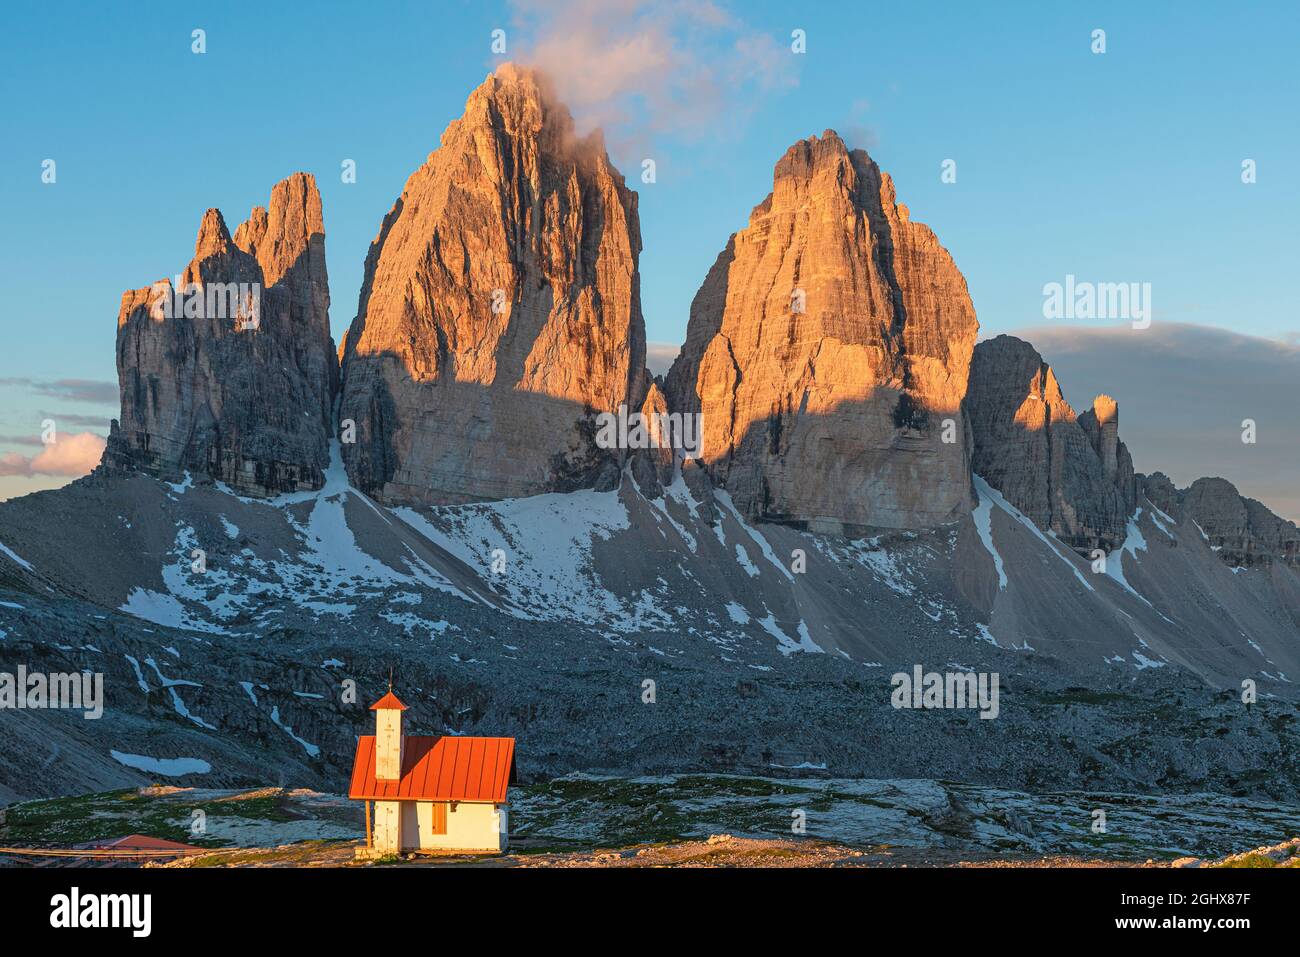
(767, 590)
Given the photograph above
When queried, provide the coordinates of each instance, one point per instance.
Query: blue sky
(1116, 167)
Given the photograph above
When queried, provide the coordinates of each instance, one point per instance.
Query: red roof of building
(437, 768)
(388, 702)
(142, 842)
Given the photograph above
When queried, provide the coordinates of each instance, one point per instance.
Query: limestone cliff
(230, 373)
(828, 352)
(500, 311)
(1244, 532)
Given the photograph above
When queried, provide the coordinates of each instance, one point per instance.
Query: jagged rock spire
(500, 311)
(230, 372)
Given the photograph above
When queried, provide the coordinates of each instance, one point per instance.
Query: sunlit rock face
(500, 312)
(230, 374)
(1069, 473)
(828, 351)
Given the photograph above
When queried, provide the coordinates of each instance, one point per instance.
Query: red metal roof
(388, 702)
(437, 768)
(142, 842)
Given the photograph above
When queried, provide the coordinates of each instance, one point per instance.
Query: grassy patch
(1249, 860)
(98, 817)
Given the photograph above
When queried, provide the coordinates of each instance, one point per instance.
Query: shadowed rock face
(237, 385)
(1069, 474)
(1243, 531)
(828, 345)
(500, 312)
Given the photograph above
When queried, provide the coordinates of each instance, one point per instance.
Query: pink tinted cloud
(639, 68)
(69, 455)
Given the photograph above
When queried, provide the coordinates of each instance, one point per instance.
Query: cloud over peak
(640, 69)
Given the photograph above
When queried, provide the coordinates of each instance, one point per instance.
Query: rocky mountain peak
(213, 238)
(230, 374)
(1244, 532)
(1101, 422)
(1069, 473)
(500, 311)
(288, 232)
(1105, 409)
(827, 351)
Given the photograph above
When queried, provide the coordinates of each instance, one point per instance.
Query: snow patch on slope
(742, 558)
(679, 493)
(164, 610)
(754, 534)
(329, 567)
(1160, 519)
(545, 542)
(983, 517)
(984, 489)
(737, 613)
(169, 767)
(311, 749)
(785, 644)
(883, 565)
(333, 548)
(13, 555)
(178, 704)
(1134, 542)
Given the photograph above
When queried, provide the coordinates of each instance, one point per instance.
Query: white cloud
(659, 356)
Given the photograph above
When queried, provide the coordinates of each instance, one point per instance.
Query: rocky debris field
(268, 656)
